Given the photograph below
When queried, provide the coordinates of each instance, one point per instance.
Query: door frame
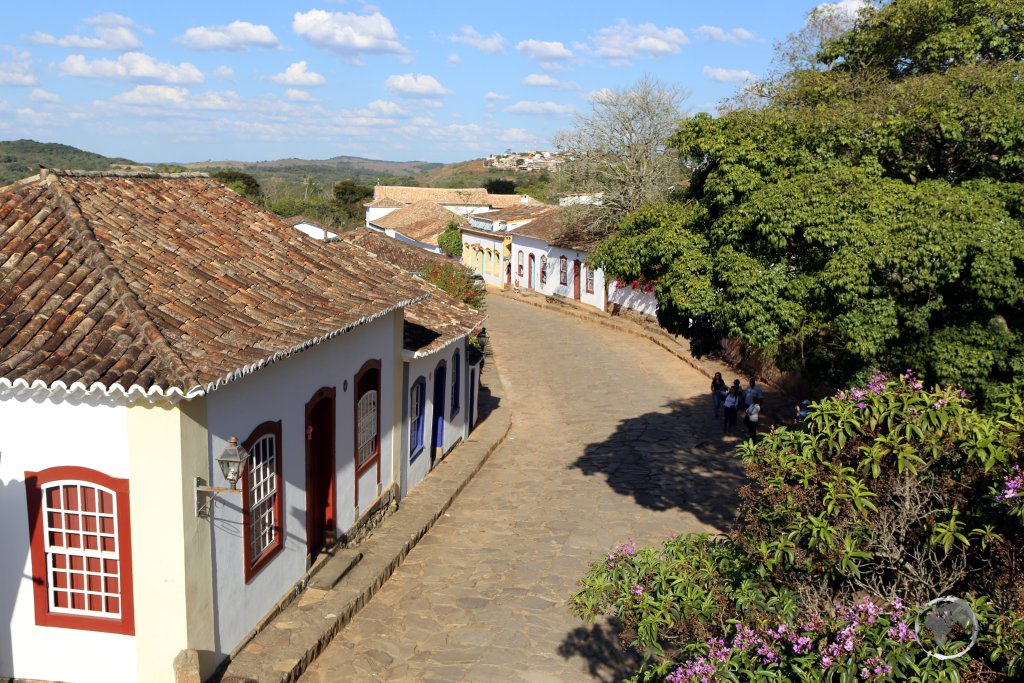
(437, 417)
(372, 364)
(533, 271)
(325, 519)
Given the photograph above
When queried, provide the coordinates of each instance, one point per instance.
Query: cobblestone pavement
(612, 438)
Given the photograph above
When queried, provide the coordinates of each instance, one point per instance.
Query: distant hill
(323, 171)
(22, 158)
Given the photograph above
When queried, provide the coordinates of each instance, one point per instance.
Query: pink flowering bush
(890, 495)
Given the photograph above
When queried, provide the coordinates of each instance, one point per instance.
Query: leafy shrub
(450, 240)
(454, 279)
(889, 495)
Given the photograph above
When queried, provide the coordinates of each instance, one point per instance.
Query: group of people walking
(731, 400)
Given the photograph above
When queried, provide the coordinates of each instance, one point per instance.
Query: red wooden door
(320, 475)
(576, 279)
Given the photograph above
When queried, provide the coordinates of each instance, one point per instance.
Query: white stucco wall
(539, 249)
(455, 427)
(632, 298)
(36, 434)
(375, 212)
(280, 392)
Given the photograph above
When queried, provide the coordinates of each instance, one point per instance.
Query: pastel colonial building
(529, 248)
(144, 321)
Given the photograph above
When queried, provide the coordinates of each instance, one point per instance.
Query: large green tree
(866, 213)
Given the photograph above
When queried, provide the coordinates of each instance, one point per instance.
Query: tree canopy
(865, 215)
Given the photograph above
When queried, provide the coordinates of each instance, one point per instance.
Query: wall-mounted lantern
(232, 461)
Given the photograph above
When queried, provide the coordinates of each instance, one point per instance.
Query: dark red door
(320, 475)
(576, 279)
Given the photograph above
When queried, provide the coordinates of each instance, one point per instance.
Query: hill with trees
(22, 158)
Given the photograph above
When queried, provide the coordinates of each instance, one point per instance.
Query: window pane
(263, 492)
(82, 575)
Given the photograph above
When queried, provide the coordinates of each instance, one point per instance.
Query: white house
(441, 371)
(145, 320)
(529, 248)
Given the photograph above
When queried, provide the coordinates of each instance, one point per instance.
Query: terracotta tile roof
(516, 213)
(505, 201)
(433, 323)
(394, 251)
(384, 204)
(438, 195)
(423, 221)
(550, 228)
(161, 285)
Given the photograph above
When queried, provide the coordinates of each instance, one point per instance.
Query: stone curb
(285, 648)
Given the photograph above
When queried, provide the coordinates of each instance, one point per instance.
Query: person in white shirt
(729, 407)
(753, 393)
(753, 414)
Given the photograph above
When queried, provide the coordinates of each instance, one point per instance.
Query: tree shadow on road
(607, 659)
(677, 458)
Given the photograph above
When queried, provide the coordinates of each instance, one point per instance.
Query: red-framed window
(563, 270)
(519, 264)
(590, 280)
(261, 498)
(367, 402)
(81, 549)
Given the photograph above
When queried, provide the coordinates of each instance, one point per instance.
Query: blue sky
(434, 81)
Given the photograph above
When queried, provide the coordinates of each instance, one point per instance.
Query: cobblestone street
(612, 438)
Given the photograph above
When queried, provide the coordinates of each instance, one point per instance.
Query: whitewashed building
(528, 248)
(149, 319)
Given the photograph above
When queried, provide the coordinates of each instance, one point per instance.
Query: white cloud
(347, 32)
(721, 75)
(153, 94)
(415, 85)
(491, 95)
(543, 50)
(225, 72)
(113, 32)
(515, 135)
(40, 95)
(719, 35)
(545, 81)
(178, 97)
(17, 73)
(470, 36)
(454, 59)
(386, 108)
(238, 35)
(131, 66)
(541, 108)
(622, 43)
(297, 95)
(298, 75)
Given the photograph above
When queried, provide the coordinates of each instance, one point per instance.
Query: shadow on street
(677, 458)
(607, 659)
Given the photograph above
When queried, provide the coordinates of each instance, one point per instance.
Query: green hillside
(22, 158)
